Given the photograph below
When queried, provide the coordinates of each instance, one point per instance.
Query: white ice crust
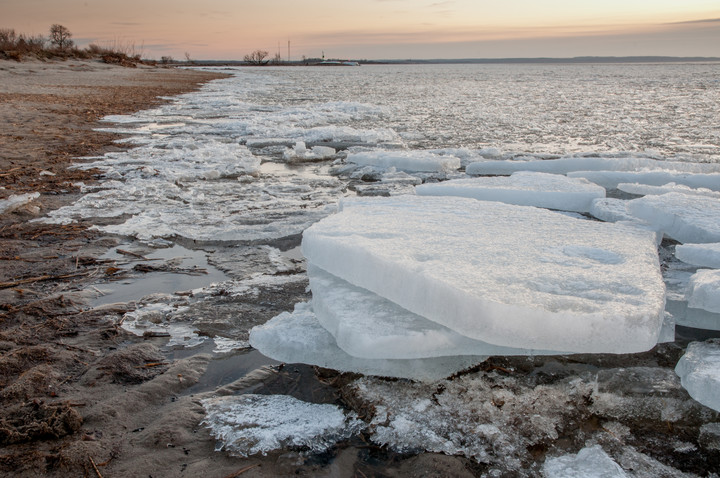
(552, 191)
(250, 424)
(514, 276)
(699, 371)
(701, 255)
(680, 216)
(576, 164)
(704, 290)
(369, 326)
(298, 337)
(590, 462)
(409, 161)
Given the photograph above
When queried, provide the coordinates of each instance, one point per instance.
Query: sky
(379, 29)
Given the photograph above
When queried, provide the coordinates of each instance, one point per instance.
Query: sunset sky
(380, 29)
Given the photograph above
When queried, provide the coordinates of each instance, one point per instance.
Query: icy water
(226, 179)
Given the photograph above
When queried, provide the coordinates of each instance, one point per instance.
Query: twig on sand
(30, 280)
(240, 472)
(92, 462)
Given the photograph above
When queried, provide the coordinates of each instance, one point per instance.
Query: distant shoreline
(480, 61)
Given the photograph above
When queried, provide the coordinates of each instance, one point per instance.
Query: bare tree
(187, 57)
(257, 57)
(60, 36)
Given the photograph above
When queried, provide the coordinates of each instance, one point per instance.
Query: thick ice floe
(509, 275)
(612, 179)
(590, 462)
(679, 216)
(367, 325)
(704, 290)
(646, 190)
(701, 255)
(250, 424)
(699, 371)
(612, 165)
(409, 161)
(550, 191)
(298, 337)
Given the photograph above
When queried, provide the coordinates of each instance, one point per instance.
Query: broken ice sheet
(701, 255)
(250, 424)
(552, 191)
(590, 462)
(704, 290)
(509, 275)
(298, 337)
(408, 161)
(699, 371)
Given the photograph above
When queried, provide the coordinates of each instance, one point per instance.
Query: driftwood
(30, 280)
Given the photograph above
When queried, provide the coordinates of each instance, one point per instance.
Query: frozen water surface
(590, 462)
(413, 161)
(701, 255)
(251, 424)
(704, 290)
(568, 285)
(612, 179)
(681, 217)
(645, 190)
(551, 191)
(699, 371)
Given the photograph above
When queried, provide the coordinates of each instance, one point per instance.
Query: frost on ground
(249, 424)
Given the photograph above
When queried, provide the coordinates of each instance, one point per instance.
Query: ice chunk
(250, 424)
(568, 165)
(590, 462)
(369, 326)
(704, 290)
(611, 210)
(612, 179)
(701, 255)
(409, 161)
(681, 217)
(699, 371)
(16, 200)
(509, 275)
(551, 191)
(299, 338)
(646, 190)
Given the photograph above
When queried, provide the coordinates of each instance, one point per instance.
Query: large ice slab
(369, 326)
(612, 179)
(699, 371)
(590, 462)
(648, 190)
(299, 338)
(552, 191)
(515, 276)
(251, 424)
(574, 164)
(704, 290)
(681, 217)
(701, 255)
(409, 161)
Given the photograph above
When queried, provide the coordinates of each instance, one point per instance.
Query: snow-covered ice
(590, 462)
(250, 424)
(704, 290)
(550, 191)
(701, 255)
(647, 190)
(514, 276)
(679, 216)
(699, 371)
(574, 164)
(369, 326)
(298, 337)
(408, 161)
(613, 179)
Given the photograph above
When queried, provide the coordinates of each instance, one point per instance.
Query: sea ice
(647, 190)
(298, 337)
(514, 276)
(573, 164)
(679, 216)
(524, 188)
(408, 161)
(590, 462)
(368, 326)
(704, 290)
(612, 179)
(701, 255)
(699, 371)
(249, 424)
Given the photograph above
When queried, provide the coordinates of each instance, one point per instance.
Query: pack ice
(699, 372)
(409, 161)
(701, 255)
(524, 188)
(511, 276)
